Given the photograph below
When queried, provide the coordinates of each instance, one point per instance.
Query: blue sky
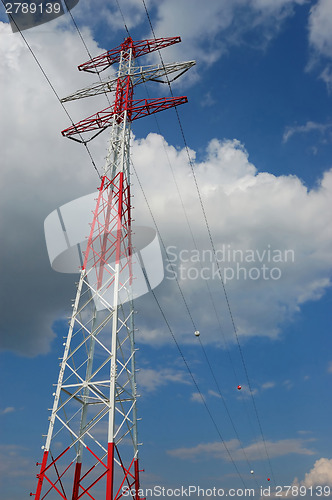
(259, 126)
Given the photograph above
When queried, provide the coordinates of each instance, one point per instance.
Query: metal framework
(138, 109)
(139, 74)
(91, 447)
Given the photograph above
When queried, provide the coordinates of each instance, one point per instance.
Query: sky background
(258, 127)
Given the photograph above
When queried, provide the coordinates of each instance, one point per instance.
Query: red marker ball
(239, 387)
(268, 479)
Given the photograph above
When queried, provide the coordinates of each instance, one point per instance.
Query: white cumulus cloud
(319, 475)
(256, 219)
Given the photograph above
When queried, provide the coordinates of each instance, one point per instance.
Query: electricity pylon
(91, 447)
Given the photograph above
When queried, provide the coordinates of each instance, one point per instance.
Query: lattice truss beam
(91, 447)
(140, 108)
(140, 74)
(139, 48)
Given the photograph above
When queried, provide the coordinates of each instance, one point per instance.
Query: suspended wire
(211, 298)
(52, 87)
(214, 252)
(86, 47)
(212, 301)
(123, 19)
(195, 328)
(178, 346)
(210, 295)
(197, 388)
(196, 247)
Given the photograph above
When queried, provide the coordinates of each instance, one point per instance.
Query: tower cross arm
(139, 74)
(145, 107)
(140, 47)
(138, 109)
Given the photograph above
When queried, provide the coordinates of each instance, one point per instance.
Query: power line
(52, 87)
(210, 295)
(214, 252)
(85, 46)
(180, 351)
(123, 19)
(197, 388)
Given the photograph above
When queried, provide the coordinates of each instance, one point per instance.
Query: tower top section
(139, 48)
(125, 108)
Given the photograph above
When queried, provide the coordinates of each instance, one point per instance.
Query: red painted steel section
(137, 497)
(105, 233)
(40, 476)
(123, 98)
(139, 109)
(59, 477)
(110, 471)
(140, 47)
(94, 221)
(130, 249)
(119, 228)
(115, 203)
(77, 478)
(126, 479)
(54, 487)
(109, 240)
(86, 490)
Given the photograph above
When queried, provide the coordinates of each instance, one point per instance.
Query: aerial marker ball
(251, 472)
(239, 387)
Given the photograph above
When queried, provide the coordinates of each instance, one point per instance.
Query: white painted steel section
(140, 74)
(124, 70)
(63, 363)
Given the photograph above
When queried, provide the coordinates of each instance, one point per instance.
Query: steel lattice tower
(91, 448)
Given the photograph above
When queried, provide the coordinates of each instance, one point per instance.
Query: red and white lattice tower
(91, 448)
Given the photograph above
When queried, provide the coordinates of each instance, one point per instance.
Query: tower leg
(41, 475)
(77, 478)
(137, 497)
(110, 472)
